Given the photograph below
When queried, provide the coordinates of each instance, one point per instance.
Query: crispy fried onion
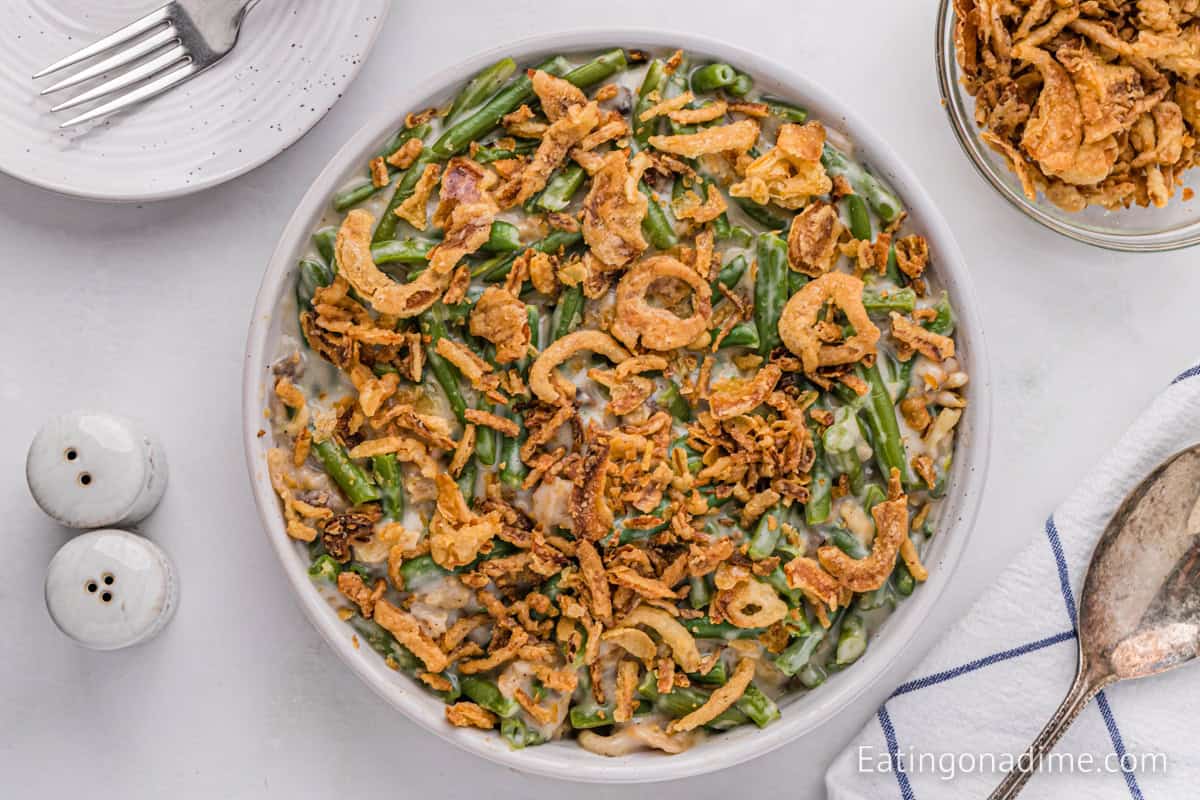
(818, 586)
(813, 239)
(658, 328)
(614, 207)
(631, 738)
(912, 337)
(733, 396)
(469, 715)
(737, 137)
(891, 529)
(591, 516)
(635, 642)
(407, 630)
(541, 373)
(719, 701)
(790, 172)
(572, 119)
(294, 509)
(674, 635)
(501, 318)
(750, 603)
(353, 252)
(798, 326)
(465, 211)
(456, 534)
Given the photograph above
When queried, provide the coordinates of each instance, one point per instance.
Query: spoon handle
(1081, 693)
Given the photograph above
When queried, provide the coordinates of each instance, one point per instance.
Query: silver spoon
(1140, 611)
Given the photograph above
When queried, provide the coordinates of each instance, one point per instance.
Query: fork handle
(1082, 691)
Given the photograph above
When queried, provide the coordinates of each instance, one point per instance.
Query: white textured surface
(293, 61)
(144, 310)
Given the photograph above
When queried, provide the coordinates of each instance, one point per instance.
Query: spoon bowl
(1140, 610)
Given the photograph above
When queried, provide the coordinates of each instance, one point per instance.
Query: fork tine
(122, 57)
(135, 28)
(139, 73)
(138, 95)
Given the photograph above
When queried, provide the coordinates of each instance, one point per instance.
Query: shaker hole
(71, 454)
(106, 596)
(91, 586)
(108, 580)
(85, 478)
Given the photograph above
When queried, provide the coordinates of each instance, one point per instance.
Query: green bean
(704, 628)
(852, 640)
(652, 86)
(797, 654)
(348, 198)
(766, 534)
(486, 693)
(902, 301)
(569, 312)
(386, 227)
(350, 477)
(770, 289)
(778, 581)
(433, 326)
(420, 570)
(673, 402)
(873, 496)
(717, 676)
(795, 281)
(730, 275)
(700, 593)
(655, 224)
(820, 499)
(504, 237)
(590, 717)
(466, 479)
(892, 271)
(402, 251)
(848, 543)
(561, 188)
(324, 240)
(761, 214)
(519, 735)
(840, 442)
(882, 200)
(485, 438)
(487, 117)
(785, 110)
(497, 268)
(744, 334)
(485, 83)
(741, 85)
(382, 642)
(713, 76)
(860, 218)
(682, 701)
(311, 275)
(391, 487)
(761, 709)
(486, 154)
(325, 568)
(943, 323)
(885, 429)
(905, 583)
(812, 676)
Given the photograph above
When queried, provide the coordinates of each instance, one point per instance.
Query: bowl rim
(966, 133)
(568, 761)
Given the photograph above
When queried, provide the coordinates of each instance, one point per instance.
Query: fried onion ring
(541, 373)
(891, 529)
(798, 324)
(683, 646)
(353, 252)
(658, 328)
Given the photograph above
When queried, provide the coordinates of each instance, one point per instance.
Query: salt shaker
(91, 469)
(109, 589)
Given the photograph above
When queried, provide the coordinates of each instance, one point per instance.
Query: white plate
(294, 60)
(275, 313)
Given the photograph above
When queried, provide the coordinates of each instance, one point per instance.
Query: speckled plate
(294, 60)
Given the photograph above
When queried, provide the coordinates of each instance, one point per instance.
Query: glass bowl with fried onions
(626, 405)
(1082, 115)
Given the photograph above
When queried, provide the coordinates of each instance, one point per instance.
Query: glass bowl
(1133, 229)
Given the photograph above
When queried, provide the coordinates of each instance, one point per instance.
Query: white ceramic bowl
(801, 714)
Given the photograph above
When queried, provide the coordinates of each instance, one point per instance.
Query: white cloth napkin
(983, 693)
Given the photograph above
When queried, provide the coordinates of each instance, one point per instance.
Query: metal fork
(174, 44)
